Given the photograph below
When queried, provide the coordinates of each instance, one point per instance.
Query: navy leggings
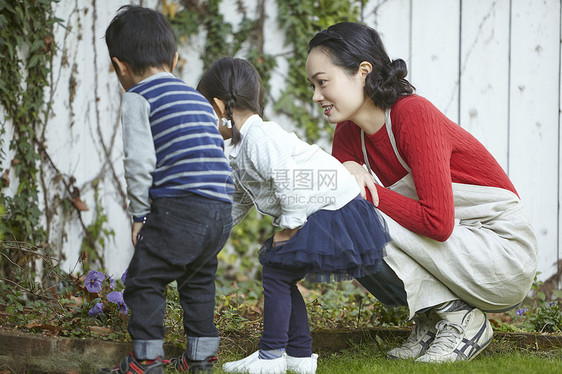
(285, 320)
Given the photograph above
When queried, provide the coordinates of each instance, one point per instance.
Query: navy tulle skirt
(333, 245)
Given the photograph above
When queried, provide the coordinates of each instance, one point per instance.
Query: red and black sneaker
(130, 365)
(183, 365)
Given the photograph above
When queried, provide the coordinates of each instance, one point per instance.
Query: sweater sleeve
(139, 152)
(272, 158)
(424, 146)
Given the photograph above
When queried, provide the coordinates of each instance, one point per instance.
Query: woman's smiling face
(340, 94)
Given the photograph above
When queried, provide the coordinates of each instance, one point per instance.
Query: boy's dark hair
(237, 83)
(349, 44)
(142, 38)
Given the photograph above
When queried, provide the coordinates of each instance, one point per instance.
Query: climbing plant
(221, 39)
(300, 20)
(30, 27)
(26, 47)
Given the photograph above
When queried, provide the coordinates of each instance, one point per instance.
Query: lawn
(369, 359)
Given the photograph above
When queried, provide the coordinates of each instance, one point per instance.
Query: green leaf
(33, 61)
(541, 295)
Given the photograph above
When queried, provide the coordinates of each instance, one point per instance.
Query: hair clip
(227, 123)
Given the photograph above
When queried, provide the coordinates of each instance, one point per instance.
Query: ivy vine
(301, 20)
(221, 40)
(26, 45)
(29, 26)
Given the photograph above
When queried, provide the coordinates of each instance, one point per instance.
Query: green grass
(369, 359)
(496, 363)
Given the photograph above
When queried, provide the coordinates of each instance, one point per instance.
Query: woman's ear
(364, 69)
(219, 106)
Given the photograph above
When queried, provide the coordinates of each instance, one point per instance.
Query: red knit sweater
(438, 152)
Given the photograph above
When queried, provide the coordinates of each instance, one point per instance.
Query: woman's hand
(364, 179)
(284, 235)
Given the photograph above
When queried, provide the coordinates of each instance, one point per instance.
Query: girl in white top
(328, 232)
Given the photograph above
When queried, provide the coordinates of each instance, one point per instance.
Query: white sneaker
(420, 338)
(461, 336)
(302, 365)
(254, 365)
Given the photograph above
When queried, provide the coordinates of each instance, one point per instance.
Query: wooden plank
(391, 19)
(85, 113)
(435, 53)
(484, 92)
(534, 162)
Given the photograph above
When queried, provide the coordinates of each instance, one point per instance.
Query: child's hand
(284, 235)
(137, 226)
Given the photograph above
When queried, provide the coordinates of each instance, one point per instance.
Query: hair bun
(397, 69)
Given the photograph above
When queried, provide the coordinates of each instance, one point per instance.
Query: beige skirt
(489, 261)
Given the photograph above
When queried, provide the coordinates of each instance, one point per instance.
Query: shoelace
(447, 337)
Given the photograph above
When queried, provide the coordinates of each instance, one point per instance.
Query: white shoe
(461, 336)
(302, 365)
(254, 365)
(420, 338)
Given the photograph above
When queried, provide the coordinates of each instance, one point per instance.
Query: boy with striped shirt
(179, 185)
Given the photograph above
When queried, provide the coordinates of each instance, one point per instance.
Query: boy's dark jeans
(179, 242)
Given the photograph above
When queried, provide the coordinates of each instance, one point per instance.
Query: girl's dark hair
(349, 44)
(237, 83)
(142, 38)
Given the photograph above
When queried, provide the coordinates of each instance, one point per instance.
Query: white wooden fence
(491, 65)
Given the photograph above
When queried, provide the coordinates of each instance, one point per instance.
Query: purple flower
(112, 282)
(520, 311)
(94, 281)
(116, 297)
(96, 309)
(124, 276)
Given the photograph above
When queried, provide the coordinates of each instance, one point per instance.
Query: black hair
(238, 84)
(349, 44)
(142, 38)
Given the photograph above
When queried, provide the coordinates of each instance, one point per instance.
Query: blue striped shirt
(188, 147)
